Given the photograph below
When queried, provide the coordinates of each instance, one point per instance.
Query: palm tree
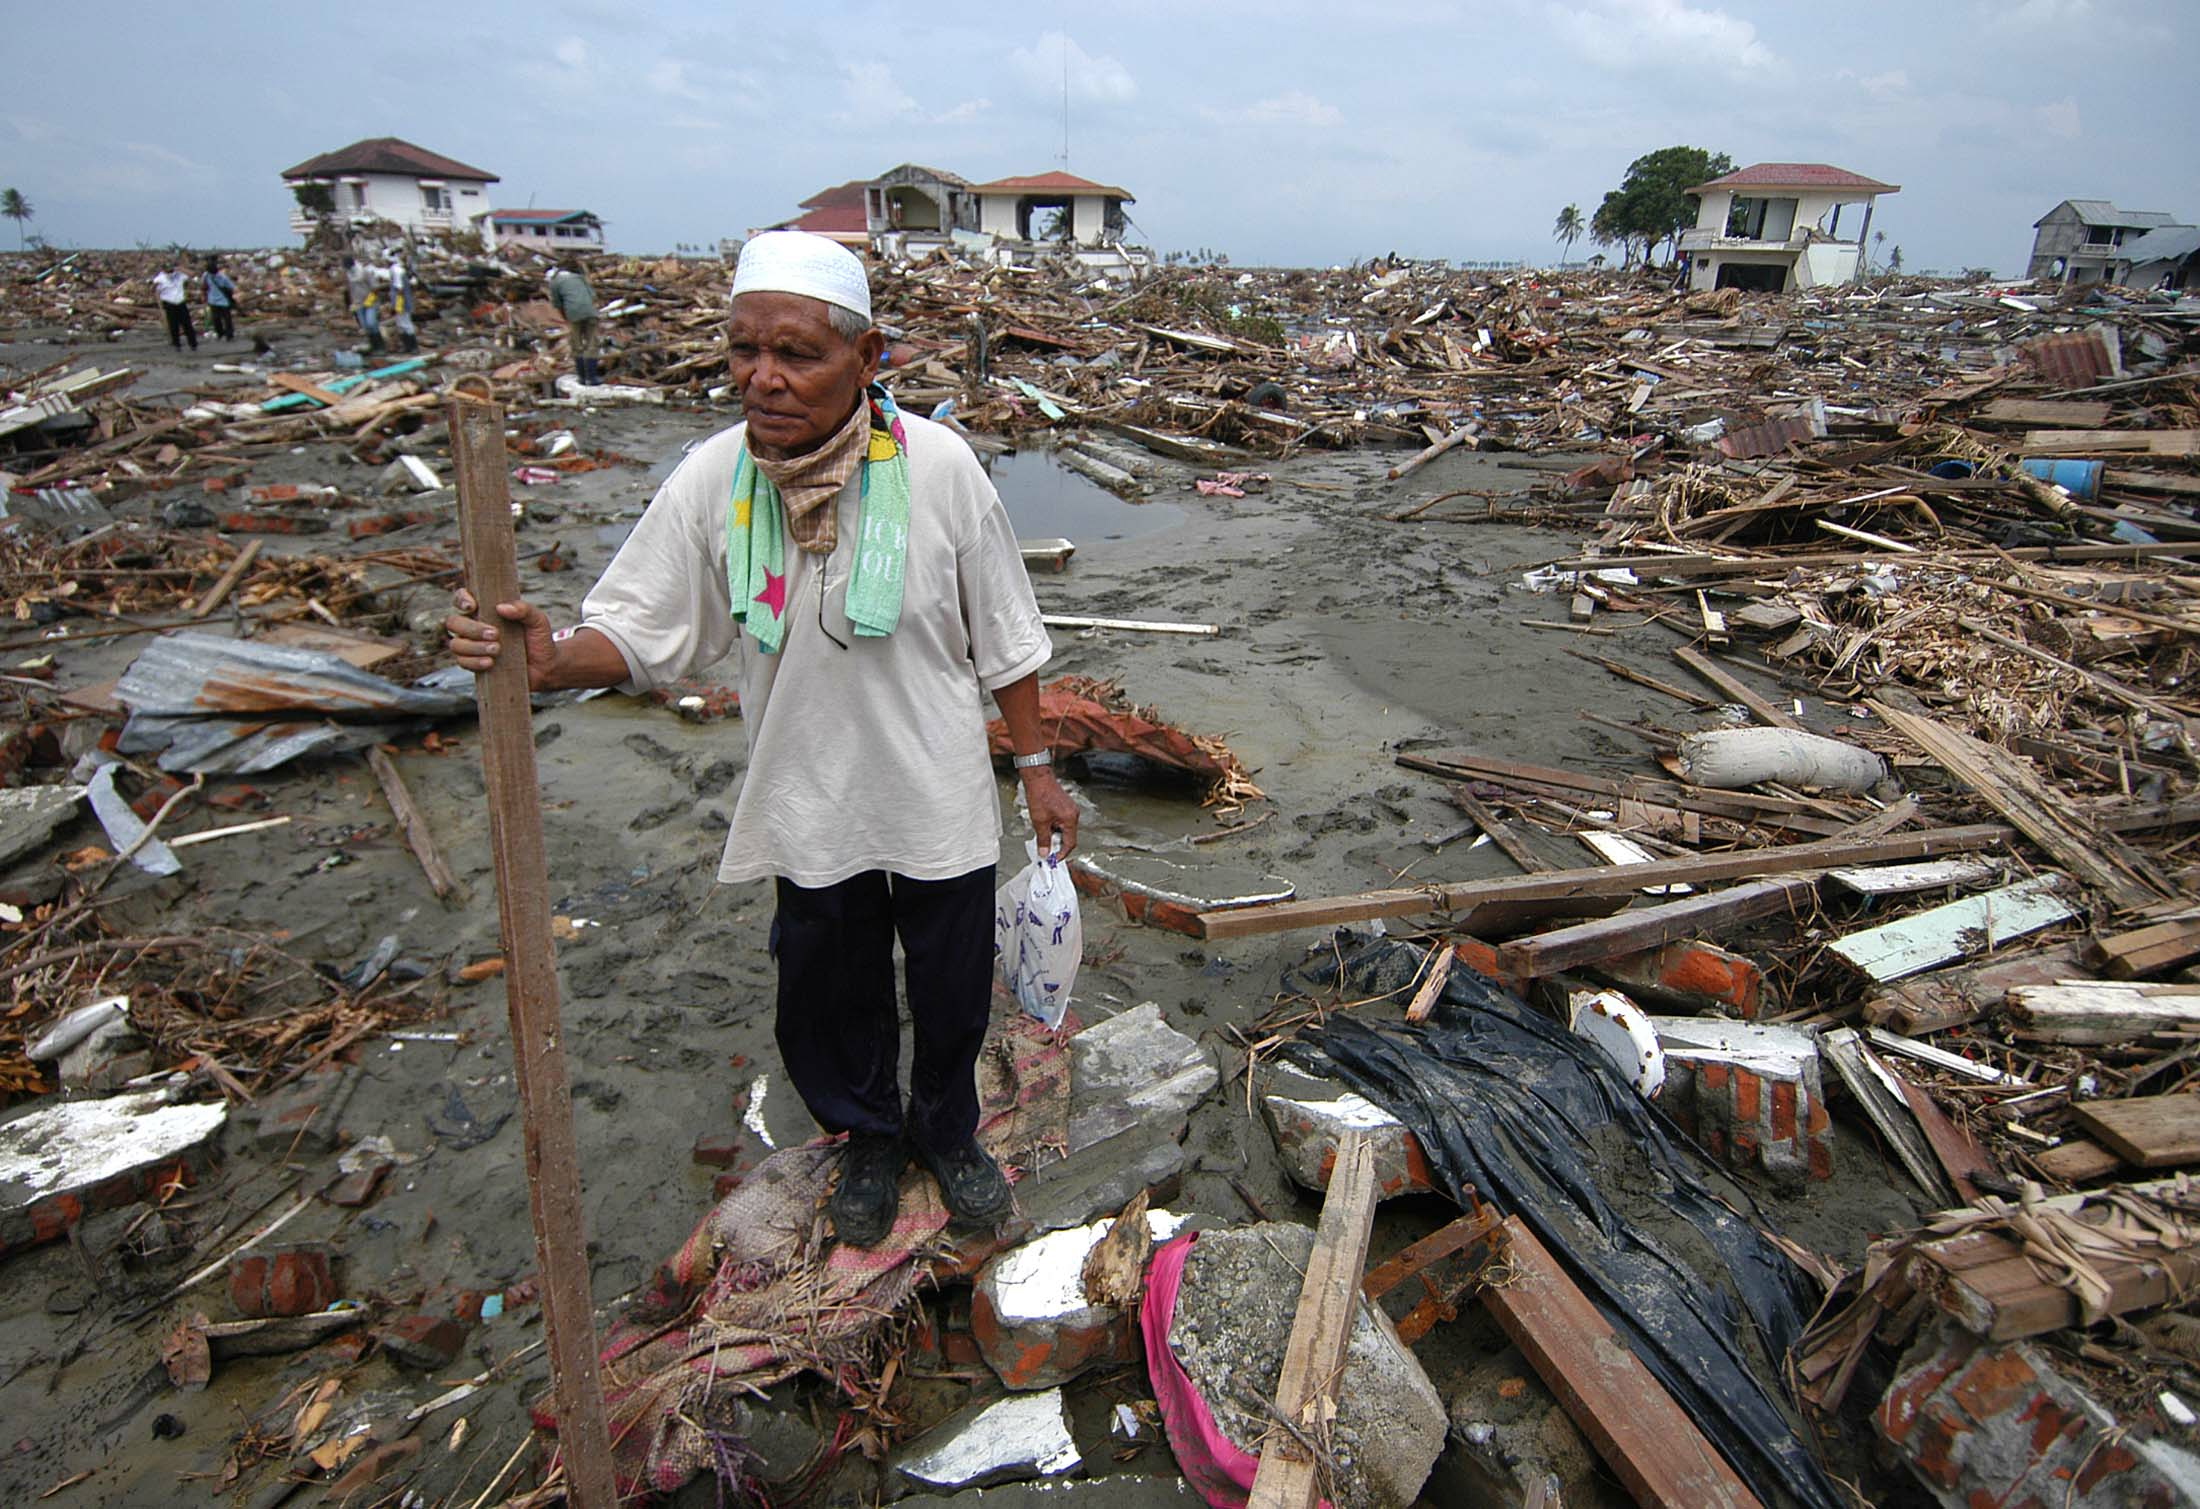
(16, 208)
(1570, 227)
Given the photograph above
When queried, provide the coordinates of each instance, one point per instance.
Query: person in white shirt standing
(862, 566)
(174, 289)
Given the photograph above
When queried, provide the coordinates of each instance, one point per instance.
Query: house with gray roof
(2082, 240)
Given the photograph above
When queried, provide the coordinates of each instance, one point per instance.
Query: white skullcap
(798, 262)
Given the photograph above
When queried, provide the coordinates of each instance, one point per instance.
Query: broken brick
(425, 1342)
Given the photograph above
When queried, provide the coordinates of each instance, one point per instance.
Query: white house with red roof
(1091, 213)
(552, 231)
(909, 212)
(387, 178)
(1775, 226)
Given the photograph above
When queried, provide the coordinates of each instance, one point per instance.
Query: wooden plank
(2152, 1131)
(307, 387)
(1072, 621)
(531, 973)
(2101, 1011)
(2076, 1161)
(1718, 676)
(1329, 1304)
(1498, 830)
(1596, 880)
(1647, 927)
(1647, 1439)
(2047, 817)
(1649, 794)
(1961, 1158)
(2077, 414)
(1780, 565)
(227, 582)
(1991, 1288)
(1972, 925)
(2111, 442)
(1878, 1093)
(1902, 809)
(412, 824)
(2150, 950)
(1951, 997)
(1904, 880)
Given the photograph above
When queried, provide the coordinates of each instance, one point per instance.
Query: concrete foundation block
(1984, 1424)
(1028, 1310)
(1231, 1328)
(1308, 1117)
(1750, 1093)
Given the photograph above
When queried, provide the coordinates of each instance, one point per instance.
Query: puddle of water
(1046, 501)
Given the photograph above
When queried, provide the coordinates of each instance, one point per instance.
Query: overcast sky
(1286, 132)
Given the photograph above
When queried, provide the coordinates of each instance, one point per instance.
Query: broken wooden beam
(1646, 1438)
(412, 824)
(1329, 1305)
(2099, 1012)
(2044, 815)
(1596, 880)
(1640, 928)
(2149, 950)
(2151, 1131)
(227, 581)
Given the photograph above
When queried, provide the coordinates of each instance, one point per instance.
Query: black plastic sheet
(1541, 1125)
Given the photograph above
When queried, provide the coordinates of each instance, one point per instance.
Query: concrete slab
(1028, 1310)
(1138, 1062)
(1021, 1437)
(63, 1162)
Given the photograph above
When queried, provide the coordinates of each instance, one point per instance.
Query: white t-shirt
(864, 754)
(172, 287)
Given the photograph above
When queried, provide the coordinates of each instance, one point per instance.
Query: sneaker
(868, 1197)
(971, 1183)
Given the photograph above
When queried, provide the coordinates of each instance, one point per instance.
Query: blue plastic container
(2080, 479)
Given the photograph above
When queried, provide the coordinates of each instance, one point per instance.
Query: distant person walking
(359, 295)
(221, 300)
(576, 301)
(401, 304)
(174, 288)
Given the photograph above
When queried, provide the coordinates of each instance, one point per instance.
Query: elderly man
(865, 567)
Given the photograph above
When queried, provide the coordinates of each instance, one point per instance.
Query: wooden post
(1646, 1438)
(531, 974)
(1328, 1305)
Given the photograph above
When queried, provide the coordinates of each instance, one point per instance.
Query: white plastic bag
(1038, 938)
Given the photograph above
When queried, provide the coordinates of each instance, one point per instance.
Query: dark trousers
(179, 325)
(839, 1033)
(223, 317)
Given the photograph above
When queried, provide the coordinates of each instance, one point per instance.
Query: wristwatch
(1029, 761)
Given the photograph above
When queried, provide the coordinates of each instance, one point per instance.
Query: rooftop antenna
(1065, 100)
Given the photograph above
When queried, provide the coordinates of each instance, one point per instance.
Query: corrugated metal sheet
(1774, 435)
(213, 705)
(2077, 358)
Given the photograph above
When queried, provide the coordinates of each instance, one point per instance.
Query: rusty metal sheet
(2076, 358)
(1773, 436)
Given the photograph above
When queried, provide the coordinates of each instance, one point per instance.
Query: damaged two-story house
(1776, 226)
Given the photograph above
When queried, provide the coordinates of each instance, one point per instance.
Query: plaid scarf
(759, 521)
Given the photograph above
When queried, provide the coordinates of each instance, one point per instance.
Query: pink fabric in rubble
(1210, 1463)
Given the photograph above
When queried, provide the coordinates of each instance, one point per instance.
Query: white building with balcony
(1775, 226)
(386, 178)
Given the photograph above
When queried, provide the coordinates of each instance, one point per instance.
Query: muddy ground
(1345, 638)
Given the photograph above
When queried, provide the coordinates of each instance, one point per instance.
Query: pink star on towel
(774, 595)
